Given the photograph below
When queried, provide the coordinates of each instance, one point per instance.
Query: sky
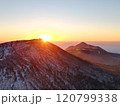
(63, 20)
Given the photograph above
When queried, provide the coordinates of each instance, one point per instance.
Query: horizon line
(58, 41)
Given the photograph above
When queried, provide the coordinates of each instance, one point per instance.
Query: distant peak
(82, 44)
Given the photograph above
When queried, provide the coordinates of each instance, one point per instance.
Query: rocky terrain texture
(38, 65)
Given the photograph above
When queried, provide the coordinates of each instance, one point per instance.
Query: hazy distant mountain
(34, 64)
(96, 55)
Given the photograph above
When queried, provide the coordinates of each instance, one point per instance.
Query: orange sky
(74, 20)
(59, 32)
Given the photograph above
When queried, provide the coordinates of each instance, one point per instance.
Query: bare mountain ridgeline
(97, 56)
(34, 64)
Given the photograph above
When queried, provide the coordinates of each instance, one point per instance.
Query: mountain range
(37, 65)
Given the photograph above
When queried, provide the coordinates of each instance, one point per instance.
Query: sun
(45, 37)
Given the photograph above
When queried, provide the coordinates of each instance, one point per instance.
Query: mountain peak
(94, 54)
(33, 64)
(82, 44)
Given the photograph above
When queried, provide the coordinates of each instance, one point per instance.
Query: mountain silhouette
(96, 55)
(34, 64)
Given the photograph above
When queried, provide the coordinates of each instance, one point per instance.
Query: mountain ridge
(34, 64)
(94, 54)
(97, 56)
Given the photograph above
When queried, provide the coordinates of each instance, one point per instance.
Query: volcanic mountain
(34, 64)
(96, 55)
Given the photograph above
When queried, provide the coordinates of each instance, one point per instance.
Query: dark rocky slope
(34, 64)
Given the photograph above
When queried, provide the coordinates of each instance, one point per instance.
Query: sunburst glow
(45, 37)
